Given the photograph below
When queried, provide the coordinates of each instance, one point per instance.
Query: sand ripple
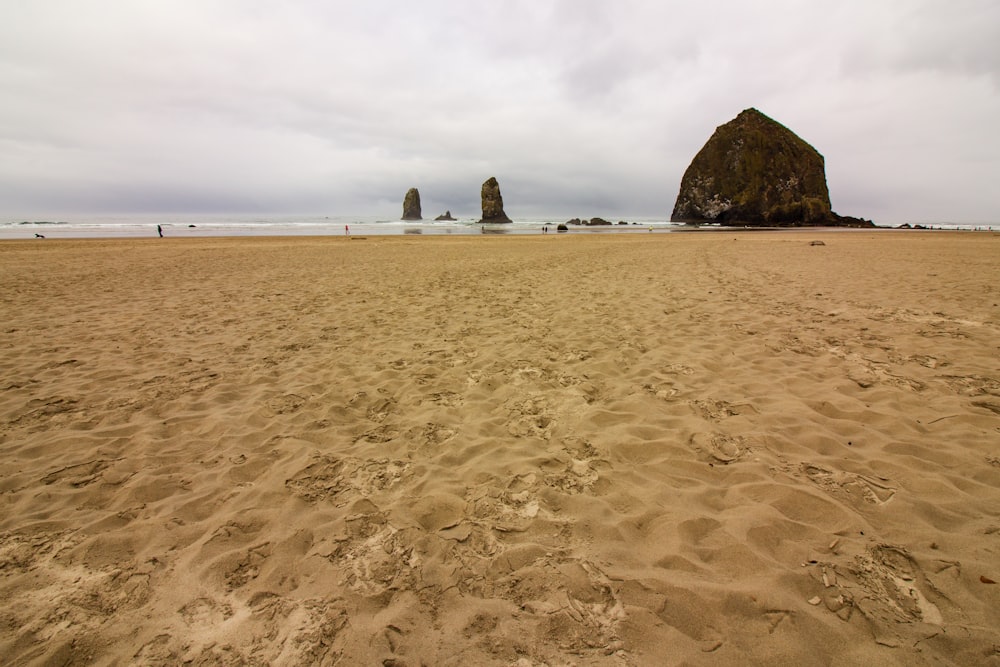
(601, 450)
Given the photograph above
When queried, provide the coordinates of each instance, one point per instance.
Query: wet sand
(712, 449)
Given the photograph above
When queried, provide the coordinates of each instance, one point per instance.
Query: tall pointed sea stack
(493, 202)
(755, 171)
(411, 205)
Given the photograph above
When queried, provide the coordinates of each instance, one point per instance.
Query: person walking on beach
(159, 230)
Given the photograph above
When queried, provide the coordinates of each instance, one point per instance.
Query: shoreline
(521, 233)
(196, 227)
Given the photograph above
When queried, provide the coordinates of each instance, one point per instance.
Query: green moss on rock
(755, 171)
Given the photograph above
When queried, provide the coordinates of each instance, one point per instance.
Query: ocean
(193, 226)
(214, 225)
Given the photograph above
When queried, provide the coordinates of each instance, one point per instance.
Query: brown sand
(581, 449)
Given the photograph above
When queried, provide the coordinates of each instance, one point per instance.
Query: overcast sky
(578, 107)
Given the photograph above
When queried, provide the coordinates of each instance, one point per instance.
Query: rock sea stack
(411, 205)
(755, 171)
(445, 216)
(493, 202)
(593, 222)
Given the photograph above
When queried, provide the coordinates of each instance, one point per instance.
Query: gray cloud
(579, 108)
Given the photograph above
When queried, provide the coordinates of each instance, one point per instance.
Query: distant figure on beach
(347, 230)
(159, 230)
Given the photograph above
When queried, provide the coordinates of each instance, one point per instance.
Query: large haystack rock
(755, 171)
(411, 205)
(493, 202)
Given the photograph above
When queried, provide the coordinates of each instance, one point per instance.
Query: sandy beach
(649, 449)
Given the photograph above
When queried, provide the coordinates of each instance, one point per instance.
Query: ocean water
(195, 226)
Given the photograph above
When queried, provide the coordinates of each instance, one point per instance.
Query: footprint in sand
(529, 417)
(439, 511)
(576, 605)
(160, 650)
(524, 372)
(22, 552)
(320, 480)
(204, 611)
(286, 404)
(973, 385)
(328, 478)
(507, 511)
(895, 588)
(987, 405)
(866, 373)
(380, 409)
(248, 567)
(720, 447)
(378, 435)
(448, 399)
(46, 411)
(927, 361)
(858, 488)
(431, 435)
(80, 474)
(579, 476)
(886, 585)
(664, 392)
(716, 410)
(378, 475)
(375, 556)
